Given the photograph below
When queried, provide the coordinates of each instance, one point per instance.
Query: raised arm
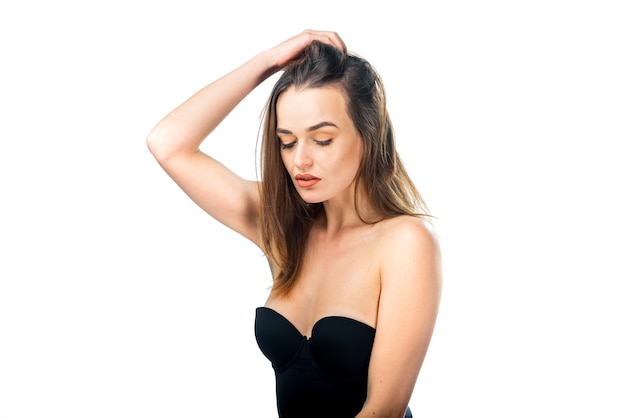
(176, 139)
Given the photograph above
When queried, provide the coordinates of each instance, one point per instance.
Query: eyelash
(291, 144)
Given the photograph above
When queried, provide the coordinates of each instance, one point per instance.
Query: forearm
(184, 128)
(372, 412)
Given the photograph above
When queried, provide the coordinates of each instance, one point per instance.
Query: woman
(356, 267)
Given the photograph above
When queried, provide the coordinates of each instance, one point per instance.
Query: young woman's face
(320, 147)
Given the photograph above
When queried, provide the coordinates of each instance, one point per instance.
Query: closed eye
(287, 146)
(324, 143)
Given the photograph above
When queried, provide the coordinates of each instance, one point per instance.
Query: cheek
(284, 160)
(351, 159)
(354, 165)
(346, 170)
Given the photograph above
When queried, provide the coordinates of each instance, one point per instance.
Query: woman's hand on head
(292, 48)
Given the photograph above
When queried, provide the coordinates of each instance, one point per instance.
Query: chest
(344, 269)
(338, 277)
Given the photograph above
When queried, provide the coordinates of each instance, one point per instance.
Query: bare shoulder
(410, 253)
(405, 234)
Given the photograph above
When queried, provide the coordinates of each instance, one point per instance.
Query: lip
(306, 180)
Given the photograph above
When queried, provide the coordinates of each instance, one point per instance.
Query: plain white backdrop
(120, 298)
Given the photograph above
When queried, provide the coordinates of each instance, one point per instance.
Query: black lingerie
(324, 376)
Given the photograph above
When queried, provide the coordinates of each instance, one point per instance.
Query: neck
(340, 212)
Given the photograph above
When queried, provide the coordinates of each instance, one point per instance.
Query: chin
(309, 199)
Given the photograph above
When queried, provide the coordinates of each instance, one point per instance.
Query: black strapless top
(321, 376)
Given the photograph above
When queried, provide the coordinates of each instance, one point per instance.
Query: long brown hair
(285, 219)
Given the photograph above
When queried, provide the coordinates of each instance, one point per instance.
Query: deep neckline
(316, 323)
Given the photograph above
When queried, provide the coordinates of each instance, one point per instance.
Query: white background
(120, 298)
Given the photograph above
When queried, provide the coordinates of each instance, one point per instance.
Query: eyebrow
(309, 129)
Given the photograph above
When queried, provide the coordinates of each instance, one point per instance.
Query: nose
(302, 156)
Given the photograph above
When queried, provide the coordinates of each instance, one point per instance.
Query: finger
(338, 42)
(329, 37)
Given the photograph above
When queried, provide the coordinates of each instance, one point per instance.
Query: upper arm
(408, 306)
(224, 195)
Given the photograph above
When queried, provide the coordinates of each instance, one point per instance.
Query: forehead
(303, 107)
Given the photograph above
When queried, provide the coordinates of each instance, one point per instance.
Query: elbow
(157, 145)
(165, 144)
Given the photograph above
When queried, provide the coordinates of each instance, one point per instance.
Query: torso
(320, 336)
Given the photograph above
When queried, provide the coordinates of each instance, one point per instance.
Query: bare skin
(387, 274)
